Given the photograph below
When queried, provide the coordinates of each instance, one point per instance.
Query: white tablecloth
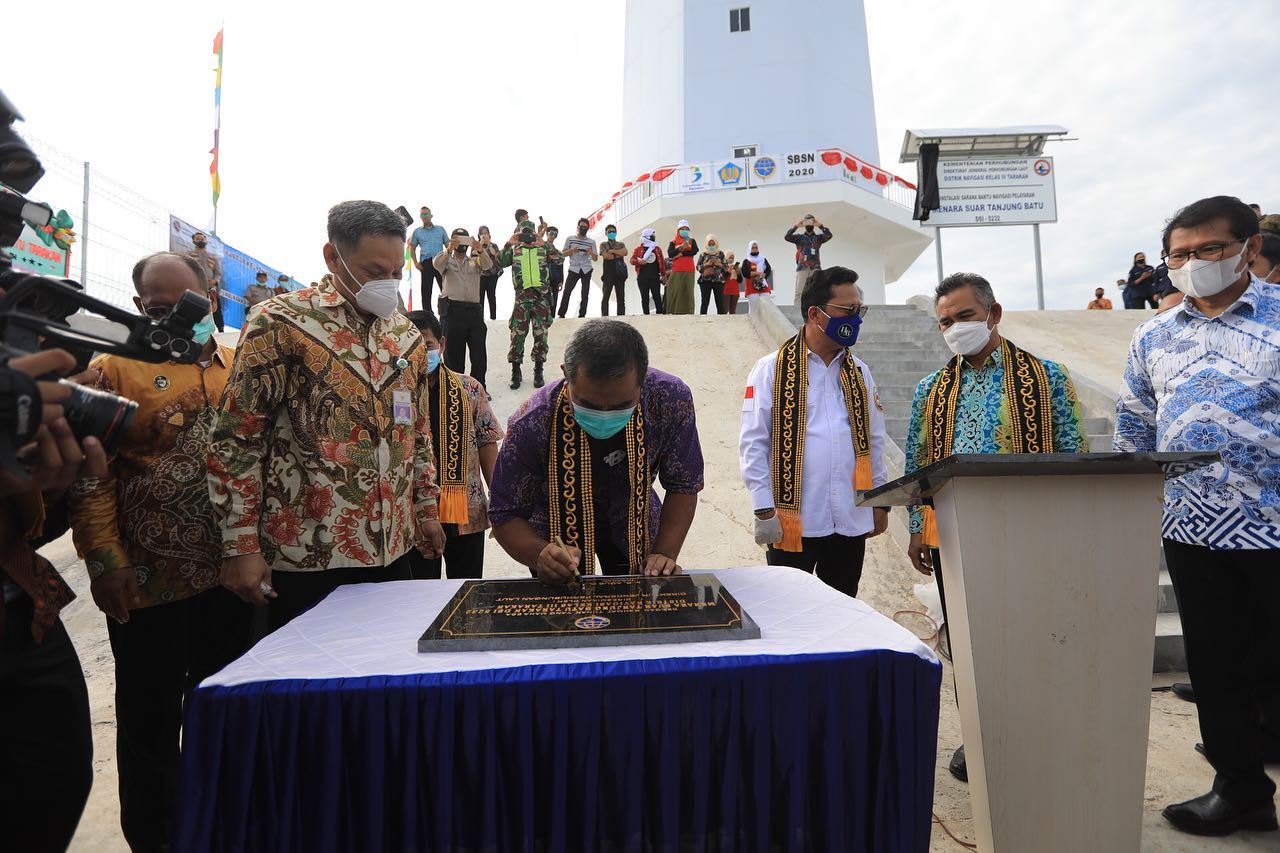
(373, 629)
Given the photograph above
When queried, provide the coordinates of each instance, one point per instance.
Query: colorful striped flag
(217, 125)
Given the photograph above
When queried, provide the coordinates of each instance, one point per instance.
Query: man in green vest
(528, 261)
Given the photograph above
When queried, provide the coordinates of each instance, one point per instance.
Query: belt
(459, 303)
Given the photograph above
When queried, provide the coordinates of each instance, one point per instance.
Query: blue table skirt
(828, 752)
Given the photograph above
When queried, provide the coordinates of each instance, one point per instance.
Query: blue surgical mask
(612, 235)
(202, 331)
(842, 330)
(601, 425)
(433, 360)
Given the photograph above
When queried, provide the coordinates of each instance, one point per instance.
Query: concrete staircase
(901, 345)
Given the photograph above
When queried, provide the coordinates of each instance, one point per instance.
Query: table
(333, 733)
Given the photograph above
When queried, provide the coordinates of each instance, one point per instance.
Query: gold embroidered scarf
(453, 446)
(1026, 394)
(790, 392)
(571, 501)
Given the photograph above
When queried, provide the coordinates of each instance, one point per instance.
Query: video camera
(37, 312)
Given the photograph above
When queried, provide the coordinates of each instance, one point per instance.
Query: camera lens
(91, 412)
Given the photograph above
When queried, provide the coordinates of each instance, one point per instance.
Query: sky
(478, 108)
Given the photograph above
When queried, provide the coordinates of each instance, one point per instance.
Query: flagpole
(215, 177)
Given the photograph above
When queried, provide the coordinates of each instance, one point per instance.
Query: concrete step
(1097, 426)
(1101, 443)
(898, 379)
(1171, 652)
(1166, 601)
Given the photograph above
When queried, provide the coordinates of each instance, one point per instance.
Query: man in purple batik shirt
(601, 504)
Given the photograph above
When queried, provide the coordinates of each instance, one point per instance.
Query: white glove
(769, 530)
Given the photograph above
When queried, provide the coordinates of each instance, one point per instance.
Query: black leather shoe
(1212, 815)
(958, 767)
(515, 376)
(538, 381)
(1183, 690)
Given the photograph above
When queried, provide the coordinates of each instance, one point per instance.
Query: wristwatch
(764, 514)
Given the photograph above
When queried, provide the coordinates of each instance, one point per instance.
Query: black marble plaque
(602, 610)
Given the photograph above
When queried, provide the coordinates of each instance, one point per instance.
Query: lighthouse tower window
(740, 19)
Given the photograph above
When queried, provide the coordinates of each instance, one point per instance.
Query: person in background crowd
(580, 251)
(1206, 377)
(489, 278)
(802, 492)
(528, 261)
(651, 271)
(812, 234)
(613, 271)
(427, 241)
(682, 251)
(213, 267)
(1137, 287)
(464, 463)
(1257, 210)
(151, 545)
(1270, 224)
(634, 423)
(1266, 265)
(259, 291)
(732, 284)
(555, 267)
(329, 388)
(757, 273)
(282, 285)
(993, 397)
(711, 270)
(1100, 302)
(462, 263)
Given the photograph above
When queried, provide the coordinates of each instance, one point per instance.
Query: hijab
(757, 260)
(647, 239)
(711, 245)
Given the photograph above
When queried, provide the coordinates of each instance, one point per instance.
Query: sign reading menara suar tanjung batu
(995, 191)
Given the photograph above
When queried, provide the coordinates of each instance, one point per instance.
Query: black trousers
(489, 290)
(711, 293)
(463, 557)
(464, 329)
(570, 281)
(1230, 606)
(650, 288)
(217, 317)
(555, 278)
(608, 285)
(161, 654)
(298, 592)
(837, 560)
(430, 277)
(46, 743)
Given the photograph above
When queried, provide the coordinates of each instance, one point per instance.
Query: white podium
(1050, 564)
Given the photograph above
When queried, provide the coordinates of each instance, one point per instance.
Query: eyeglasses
(850, 310)
(159, 312)
(1212, 252)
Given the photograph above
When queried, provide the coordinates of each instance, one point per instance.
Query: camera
(37, 312)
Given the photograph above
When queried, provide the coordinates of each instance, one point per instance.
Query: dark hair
(981, 288)
(521, 214)
(1242, 221)
(817, 290)
(1256, 207)
(606, 349)
(483, 228)
(611, 225)
(1135, 256)
(1271, 247)
(582, 219)
(427, 322)
(196, 267)
(351, 220)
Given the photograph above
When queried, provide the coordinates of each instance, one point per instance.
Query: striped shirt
(580, 261)
(1197, 383)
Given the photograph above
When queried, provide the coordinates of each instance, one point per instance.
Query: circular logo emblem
(765, 167)
(846, 330)
(162, 382)
(1042, 167)
(591, 623)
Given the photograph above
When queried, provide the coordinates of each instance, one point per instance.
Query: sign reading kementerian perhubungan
(995, 191)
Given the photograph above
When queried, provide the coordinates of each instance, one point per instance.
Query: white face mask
(967, 338)
(378, 297)
(1207, 278)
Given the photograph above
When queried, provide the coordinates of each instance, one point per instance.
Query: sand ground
(721, 536)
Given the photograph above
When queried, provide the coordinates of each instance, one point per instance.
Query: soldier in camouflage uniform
(528, 261)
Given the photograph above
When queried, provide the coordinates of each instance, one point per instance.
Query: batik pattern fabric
(670, 444)
(152, 514)
(1211, 384)
(982, 422)
(320, 456)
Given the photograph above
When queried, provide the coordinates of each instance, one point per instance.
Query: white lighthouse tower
(742, 116)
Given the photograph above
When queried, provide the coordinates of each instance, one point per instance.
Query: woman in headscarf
(732, 284)
(757, 274)
(651, 270)
(489, 280)
(711, 270)
(682, 251)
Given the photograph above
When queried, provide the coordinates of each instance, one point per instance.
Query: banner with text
(995, 191)
(30, 254)
(238, 269)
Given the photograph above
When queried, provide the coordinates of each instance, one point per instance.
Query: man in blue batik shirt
(1206, 376)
